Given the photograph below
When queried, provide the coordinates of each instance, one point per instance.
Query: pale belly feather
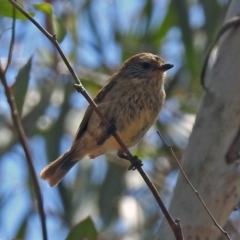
(133, 132)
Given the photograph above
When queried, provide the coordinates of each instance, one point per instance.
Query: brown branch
(12, 41)
(193, 188)
(23, 140)
(21, 134)
(174, 224)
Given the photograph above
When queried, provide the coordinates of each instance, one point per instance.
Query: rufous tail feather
(55, 171)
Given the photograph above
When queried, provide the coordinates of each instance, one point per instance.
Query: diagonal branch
(175, 225)
(192, 187)
(20, 131)
(23, 140)
(12, 41)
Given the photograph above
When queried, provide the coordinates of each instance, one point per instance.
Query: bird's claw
(135, 163)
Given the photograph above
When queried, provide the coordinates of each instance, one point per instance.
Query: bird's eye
(145, 65)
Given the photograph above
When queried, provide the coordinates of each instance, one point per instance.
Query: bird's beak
(166, 66)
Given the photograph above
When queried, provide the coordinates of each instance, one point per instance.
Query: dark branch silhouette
(20, 131)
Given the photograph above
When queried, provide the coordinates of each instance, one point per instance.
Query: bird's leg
(135, 161)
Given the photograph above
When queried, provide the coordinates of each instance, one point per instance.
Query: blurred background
(97, 36)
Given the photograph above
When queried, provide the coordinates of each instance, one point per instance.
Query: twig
(174, 224)
(12, 41)
(23, 141)
(193, 188)
(21, 134)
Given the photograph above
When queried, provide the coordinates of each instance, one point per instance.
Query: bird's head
(144, 68)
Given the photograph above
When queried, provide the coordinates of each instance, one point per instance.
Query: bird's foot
(135, 161)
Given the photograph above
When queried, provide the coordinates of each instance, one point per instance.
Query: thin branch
(12, 41)
(24, 143)
(21, 134)
(193, 188)
(174, 225)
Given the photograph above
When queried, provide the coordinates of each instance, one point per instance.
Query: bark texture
(216, 126)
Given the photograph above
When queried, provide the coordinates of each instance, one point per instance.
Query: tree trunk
(217, 124)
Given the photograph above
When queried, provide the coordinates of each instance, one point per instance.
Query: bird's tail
(55, 171)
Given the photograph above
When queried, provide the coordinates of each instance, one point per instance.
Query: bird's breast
(133, 115)
(138, 114)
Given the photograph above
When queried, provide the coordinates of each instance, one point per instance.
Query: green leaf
(21, 85)
(22, 230)
(168, 22)
(84, 230)
(149, 7)
(44, 7)
(59, 28)
(6, 10)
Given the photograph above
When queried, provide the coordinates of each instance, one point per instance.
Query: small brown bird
(132, 101)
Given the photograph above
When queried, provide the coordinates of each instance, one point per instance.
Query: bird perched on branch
(131, 101)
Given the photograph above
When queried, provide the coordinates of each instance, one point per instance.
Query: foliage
(97, 37)
(83, 230)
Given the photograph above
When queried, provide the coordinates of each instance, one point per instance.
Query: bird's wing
(98, 99)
